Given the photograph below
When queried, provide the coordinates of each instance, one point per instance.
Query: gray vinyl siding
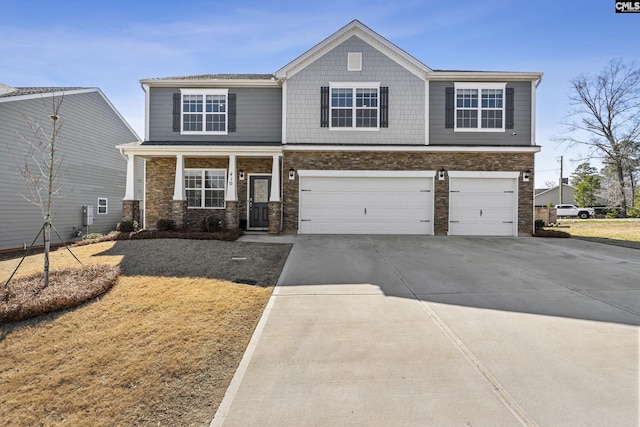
(439, 135)
(406, 98)
(258, 116)
(93, 167)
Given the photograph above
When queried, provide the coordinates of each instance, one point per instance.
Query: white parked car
(572, 210)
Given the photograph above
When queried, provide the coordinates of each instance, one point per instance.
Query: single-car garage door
(366, 202)
(483, 203)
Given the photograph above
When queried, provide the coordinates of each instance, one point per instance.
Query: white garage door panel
(483, 207)
(365, 205)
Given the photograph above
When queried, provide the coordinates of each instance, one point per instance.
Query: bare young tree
(40, 165)
(606, 118)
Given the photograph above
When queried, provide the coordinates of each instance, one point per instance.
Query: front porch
(200, 189)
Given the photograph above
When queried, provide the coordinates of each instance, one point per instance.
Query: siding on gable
(406, 98)
(92, 167)
(438, 135)
(258, 116)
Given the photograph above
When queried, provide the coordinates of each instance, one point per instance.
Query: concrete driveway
(444, 331)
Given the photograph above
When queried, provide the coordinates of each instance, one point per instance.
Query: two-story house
(355, 136)
(91, 177)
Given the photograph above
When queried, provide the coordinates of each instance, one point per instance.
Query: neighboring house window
(103, 205)
(478, 107)
(204, 111)
(352, 106)
(205, 188)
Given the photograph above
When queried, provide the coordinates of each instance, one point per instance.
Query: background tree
(582, 171)
(606, 118)
(549, 184)
(40, 166)
(586, 181)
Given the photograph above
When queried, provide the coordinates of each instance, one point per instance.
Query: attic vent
(354, 62)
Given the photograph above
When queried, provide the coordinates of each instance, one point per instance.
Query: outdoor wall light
(441, 173)
(241, 175)
(292, 174)
(526, 175)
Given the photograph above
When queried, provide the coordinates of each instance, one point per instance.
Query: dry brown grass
(154, 350)
(616, 229)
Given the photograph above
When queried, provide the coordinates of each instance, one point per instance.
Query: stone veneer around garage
(401, 161)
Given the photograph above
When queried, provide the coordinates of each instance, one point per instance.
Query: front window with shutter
(204, 111)
(480, 107)
(353, 106)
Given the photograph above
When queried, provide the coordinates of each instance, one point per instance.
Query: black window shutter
(231, 113)
(449, 110)
(384, 107)
(176, 111)
(324, 106)
(509, 108)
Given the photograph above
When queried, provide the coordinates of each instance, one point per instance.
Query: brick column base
(231, 215)
(275, 218)
(131, 210)
(179, 213)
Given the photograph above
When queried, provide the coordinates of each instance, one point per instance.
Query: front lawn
(159, 348)
(616, 229)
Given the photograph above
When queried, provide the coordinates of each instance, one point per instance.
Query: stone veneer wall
(397, 161)
(159, 189)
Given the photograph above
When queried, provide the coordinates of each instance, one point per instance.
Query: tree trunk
(620, 173)
(47, 247)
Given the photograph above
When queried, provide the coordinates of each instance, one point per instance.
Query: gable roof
(20, 91)
(358, 29)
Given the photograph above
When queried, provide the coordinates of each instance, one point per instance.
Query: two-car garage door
(388, 202)
(366, 202)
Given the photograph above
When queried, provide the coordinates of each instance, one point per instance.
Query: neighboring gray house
(94, 172)
(354, 136)
(552, 195)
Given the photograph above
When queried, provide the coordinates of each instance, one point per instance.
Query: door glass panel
(260, 190)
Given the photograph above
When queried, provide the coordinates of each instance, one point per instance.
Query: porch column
(232, 188)
(130, 206)
(275, 180)
(179, 202)
(130, 193)
(231, 212)
(178, 187)
(275, 206)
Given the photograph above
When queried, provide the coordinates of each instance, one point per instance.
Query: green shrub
(633, 212)
(613, 213)
(91, 236)
(165, 225)
(127, 226)
(212, 224)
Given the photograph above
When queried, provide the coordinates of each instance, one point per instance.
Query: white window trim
(224, 189)
(354, 86)
(479, 86)
(204, 93)
(106, 206)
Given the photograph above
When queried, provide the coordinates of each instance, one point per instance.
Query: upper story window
(204, 111)
(480, 107)
(355, 106)
(205, 188)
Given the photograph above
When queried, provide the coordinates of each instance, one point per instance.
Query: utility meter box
(87, 215)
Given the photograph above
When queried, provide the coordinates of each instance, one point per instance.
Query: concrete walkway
(420, 331)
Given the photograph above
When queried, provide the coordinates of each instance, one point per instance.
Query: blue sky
(112, 45)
